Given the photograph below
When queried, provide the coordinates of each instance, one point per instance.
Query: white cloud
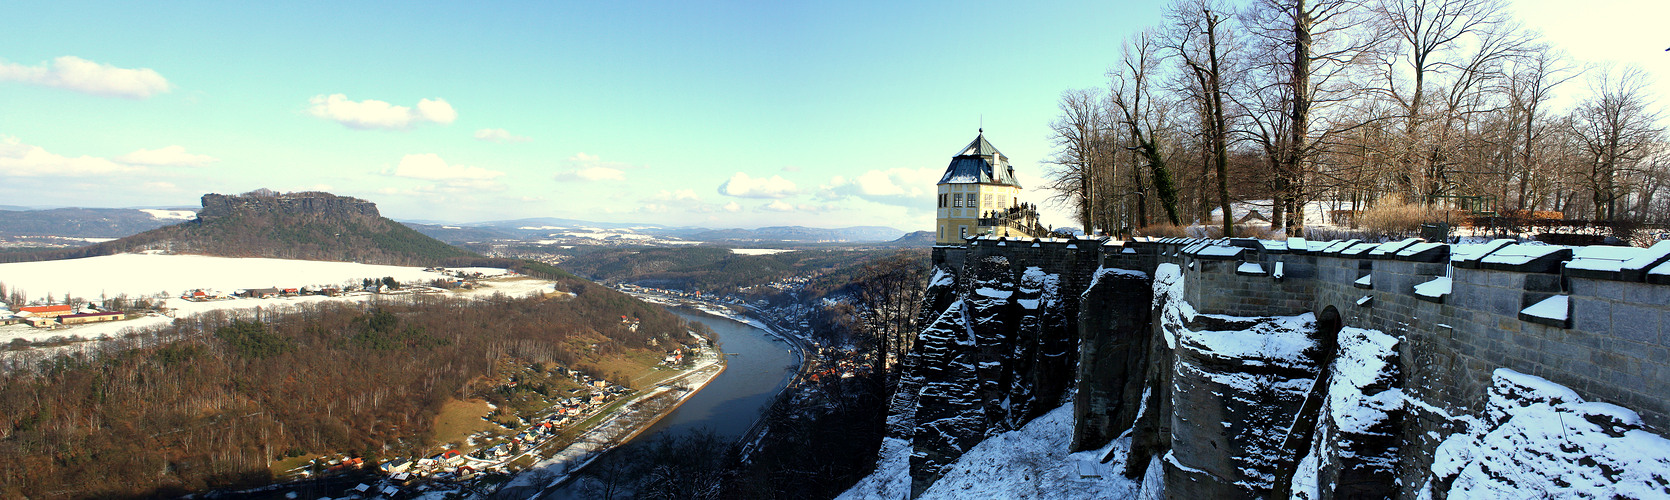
(778, 206)
(743, 186)
(498, 135)
(24, 160)
(677, 195)
(88, 77)
(430, 166)
(894, 186)
(591, 168)
(437, 111)
(374, 114)
(175, 156)
(733, 207)
(592, 174)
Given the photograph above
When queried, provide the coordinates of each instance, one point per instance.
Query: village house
(47, 311)
(397, 465)
(92, 317)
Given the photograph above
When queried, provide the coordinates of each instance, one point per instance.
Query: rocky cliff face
(997, 353)
(308, 205)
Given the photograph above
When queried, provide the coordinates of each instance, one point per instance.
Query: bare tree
(1142, 118)
(1617, 129)
(1079, 134)
(1196, 36)
(1424, 37)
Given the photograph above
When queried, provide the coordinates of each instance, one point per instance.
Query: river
(762, 366)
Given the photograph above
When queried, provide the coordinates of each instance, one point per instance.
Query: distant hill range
(306, 225)
(75, 223)
(86, 222)
(555, 228)
(915, 239)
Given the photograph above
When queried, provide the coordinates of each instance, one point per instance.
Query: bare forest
(1450, 105)
(210, 401)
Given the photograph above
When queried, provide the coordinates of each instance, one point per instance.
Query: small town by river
(759, 366)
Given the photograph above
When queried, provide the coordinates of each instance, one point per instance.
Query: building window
(988, 201)
(957, 200)
(963, 230)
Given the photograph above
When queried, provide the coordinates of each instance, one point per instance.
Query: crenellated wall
(1613, 345)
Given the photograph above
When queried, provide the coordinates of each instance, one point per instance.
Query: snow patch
(1556, 308)
(1436, 288)
(759, 251)
(1546, 442)
(170, 214)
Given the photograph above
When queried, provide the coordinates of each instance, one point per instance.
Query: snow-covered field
(170, 214)
(138, 275)
(147, 275)
(758, 251)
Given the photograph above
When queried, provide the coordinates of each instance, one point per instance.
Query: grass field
(460, 419)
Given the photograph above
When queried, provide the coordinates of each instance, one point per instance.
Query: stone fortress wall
(1611, 345)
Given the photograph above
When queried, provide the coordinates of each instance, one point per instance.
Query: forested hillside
(209, 401)
(712, 269)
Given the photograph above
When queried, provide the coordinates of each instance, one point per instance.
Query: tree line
(1447, 103)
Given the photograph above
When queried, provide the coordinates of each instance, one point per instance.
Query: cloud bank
(175, 156)
(743, 186)
(373, 114)
(88, 77)
(498, 135)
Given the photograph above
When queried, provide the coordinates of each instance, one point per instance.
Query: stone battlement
(1593, 319)
(1605, 333)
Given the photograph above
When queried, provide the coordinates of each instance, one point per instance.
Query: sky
(715, 114)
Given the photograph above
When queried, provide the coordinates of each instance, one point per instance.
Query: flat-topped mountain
(263, 223)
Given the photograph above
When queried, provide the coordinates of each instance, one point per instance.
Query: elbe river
(728, 406)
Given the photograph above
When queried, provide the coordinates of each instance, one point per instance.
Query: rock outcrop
(310, 205)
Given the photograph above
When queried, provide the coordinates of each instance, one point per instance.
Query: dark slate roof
(980, 162)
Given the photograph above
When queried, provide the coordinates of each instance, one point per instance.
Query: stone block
(1591, 315)
(1636, 323)
(1645, 294)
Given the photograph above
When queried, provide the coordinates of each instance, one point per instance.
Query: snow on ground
(1030, 462)
(1271, 340)
(139, 275)
(891, 480)
(1362, 363)
(759, 251)
(1549, 443)
(170, 214)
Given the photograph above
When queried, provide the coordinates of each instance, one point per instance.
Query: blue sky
(720, 114)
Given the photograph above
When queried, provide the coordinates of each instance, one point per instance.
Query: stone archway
(1328, 325)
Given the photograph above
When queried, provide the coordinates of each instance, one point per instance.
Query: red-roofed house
(48, 311)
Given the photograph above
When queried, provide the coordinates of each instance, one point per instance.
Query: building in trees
(979, 195)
